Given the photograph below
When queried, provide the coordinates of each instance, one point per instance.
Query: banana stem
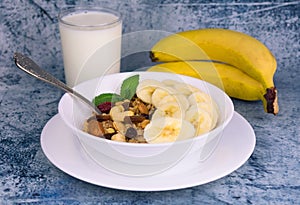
(271, 100)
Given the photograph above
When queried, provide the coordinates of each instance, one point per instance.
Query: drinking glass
(91, 42)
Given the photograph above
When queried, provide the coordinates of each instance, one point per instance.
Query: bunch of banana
(247, 67)
(182, 111)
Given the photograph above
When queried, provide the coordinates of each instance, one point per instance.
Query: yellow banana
(234, 48)
(231, 47)
(233, 81)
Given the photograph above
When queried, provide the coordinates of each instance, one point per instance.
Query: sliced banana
(176, 103)
(169, 82)
(212, 109)
(160, 93)
(180, 99)
(200, 118)
(171, 109)
(146, 88)
(168, 130)
(198, 97)
(185, 89)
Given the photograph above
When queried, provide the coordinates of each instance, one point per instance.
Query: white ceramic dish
(142, 159)
(63, 149)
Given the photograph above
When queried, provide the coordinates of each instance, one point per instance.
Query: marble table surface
(270, 176)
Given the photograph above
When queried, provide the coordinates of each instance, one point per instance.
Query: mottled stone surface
(271, 175)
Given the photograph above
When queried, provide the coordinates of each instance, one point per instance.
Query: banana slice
(180, 99)
(200, 118)
(168, 130)
(160, 93)
(171, 109)
(212, 110)
(185, 89)
(169, 82)
(198, 97)
(146, 88)
(176, 100)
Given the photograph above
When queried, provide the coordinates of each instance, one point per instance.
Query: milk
(91, 44)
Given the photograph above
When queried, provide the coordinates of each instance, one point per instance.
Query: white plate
(64, 150)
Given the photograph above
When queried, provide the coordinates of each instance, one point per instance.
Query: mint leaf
(128, 90)
(107, 97)
(129, 86)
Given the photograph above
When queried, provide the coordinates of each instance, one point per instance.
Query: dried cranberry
(105, 107)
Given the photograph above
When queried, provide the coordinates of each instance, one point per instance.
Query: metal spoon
(30, 67)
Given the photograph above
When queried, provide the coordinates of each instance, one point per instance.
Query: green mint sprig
(129, 85)
(107, 97)
(128, 90)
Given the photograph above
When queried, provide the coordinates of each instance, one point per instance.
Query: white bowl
(142, 159)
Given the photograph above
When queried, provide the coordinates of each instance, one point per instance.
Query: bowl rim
(191, 140)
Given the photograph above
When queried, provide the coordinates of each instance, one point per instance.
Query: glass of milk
(91, 42)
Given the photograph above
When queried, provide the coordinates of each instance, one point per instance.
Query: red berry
(105, 107)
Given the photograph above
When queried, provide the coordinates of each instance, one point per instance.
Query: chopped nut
(143, 108)
(95, 128)
(144, 123)
(119, 126)
(110, 130)
(132, 109)
(132, 140)
(118, 137)
(93, 117)
(103, 117)
(117, 113)
(137, 118)
(128, 126)
(85, 126)
(140, 131)
(108, 136)
(118, 103)
(138, 139)
(108, 124)
(129, 113)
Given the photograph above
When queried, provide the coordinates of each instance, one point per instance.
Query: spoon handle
(29, 66)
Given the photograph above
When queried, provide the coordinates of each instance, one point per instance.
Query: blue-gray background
(30, 26)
